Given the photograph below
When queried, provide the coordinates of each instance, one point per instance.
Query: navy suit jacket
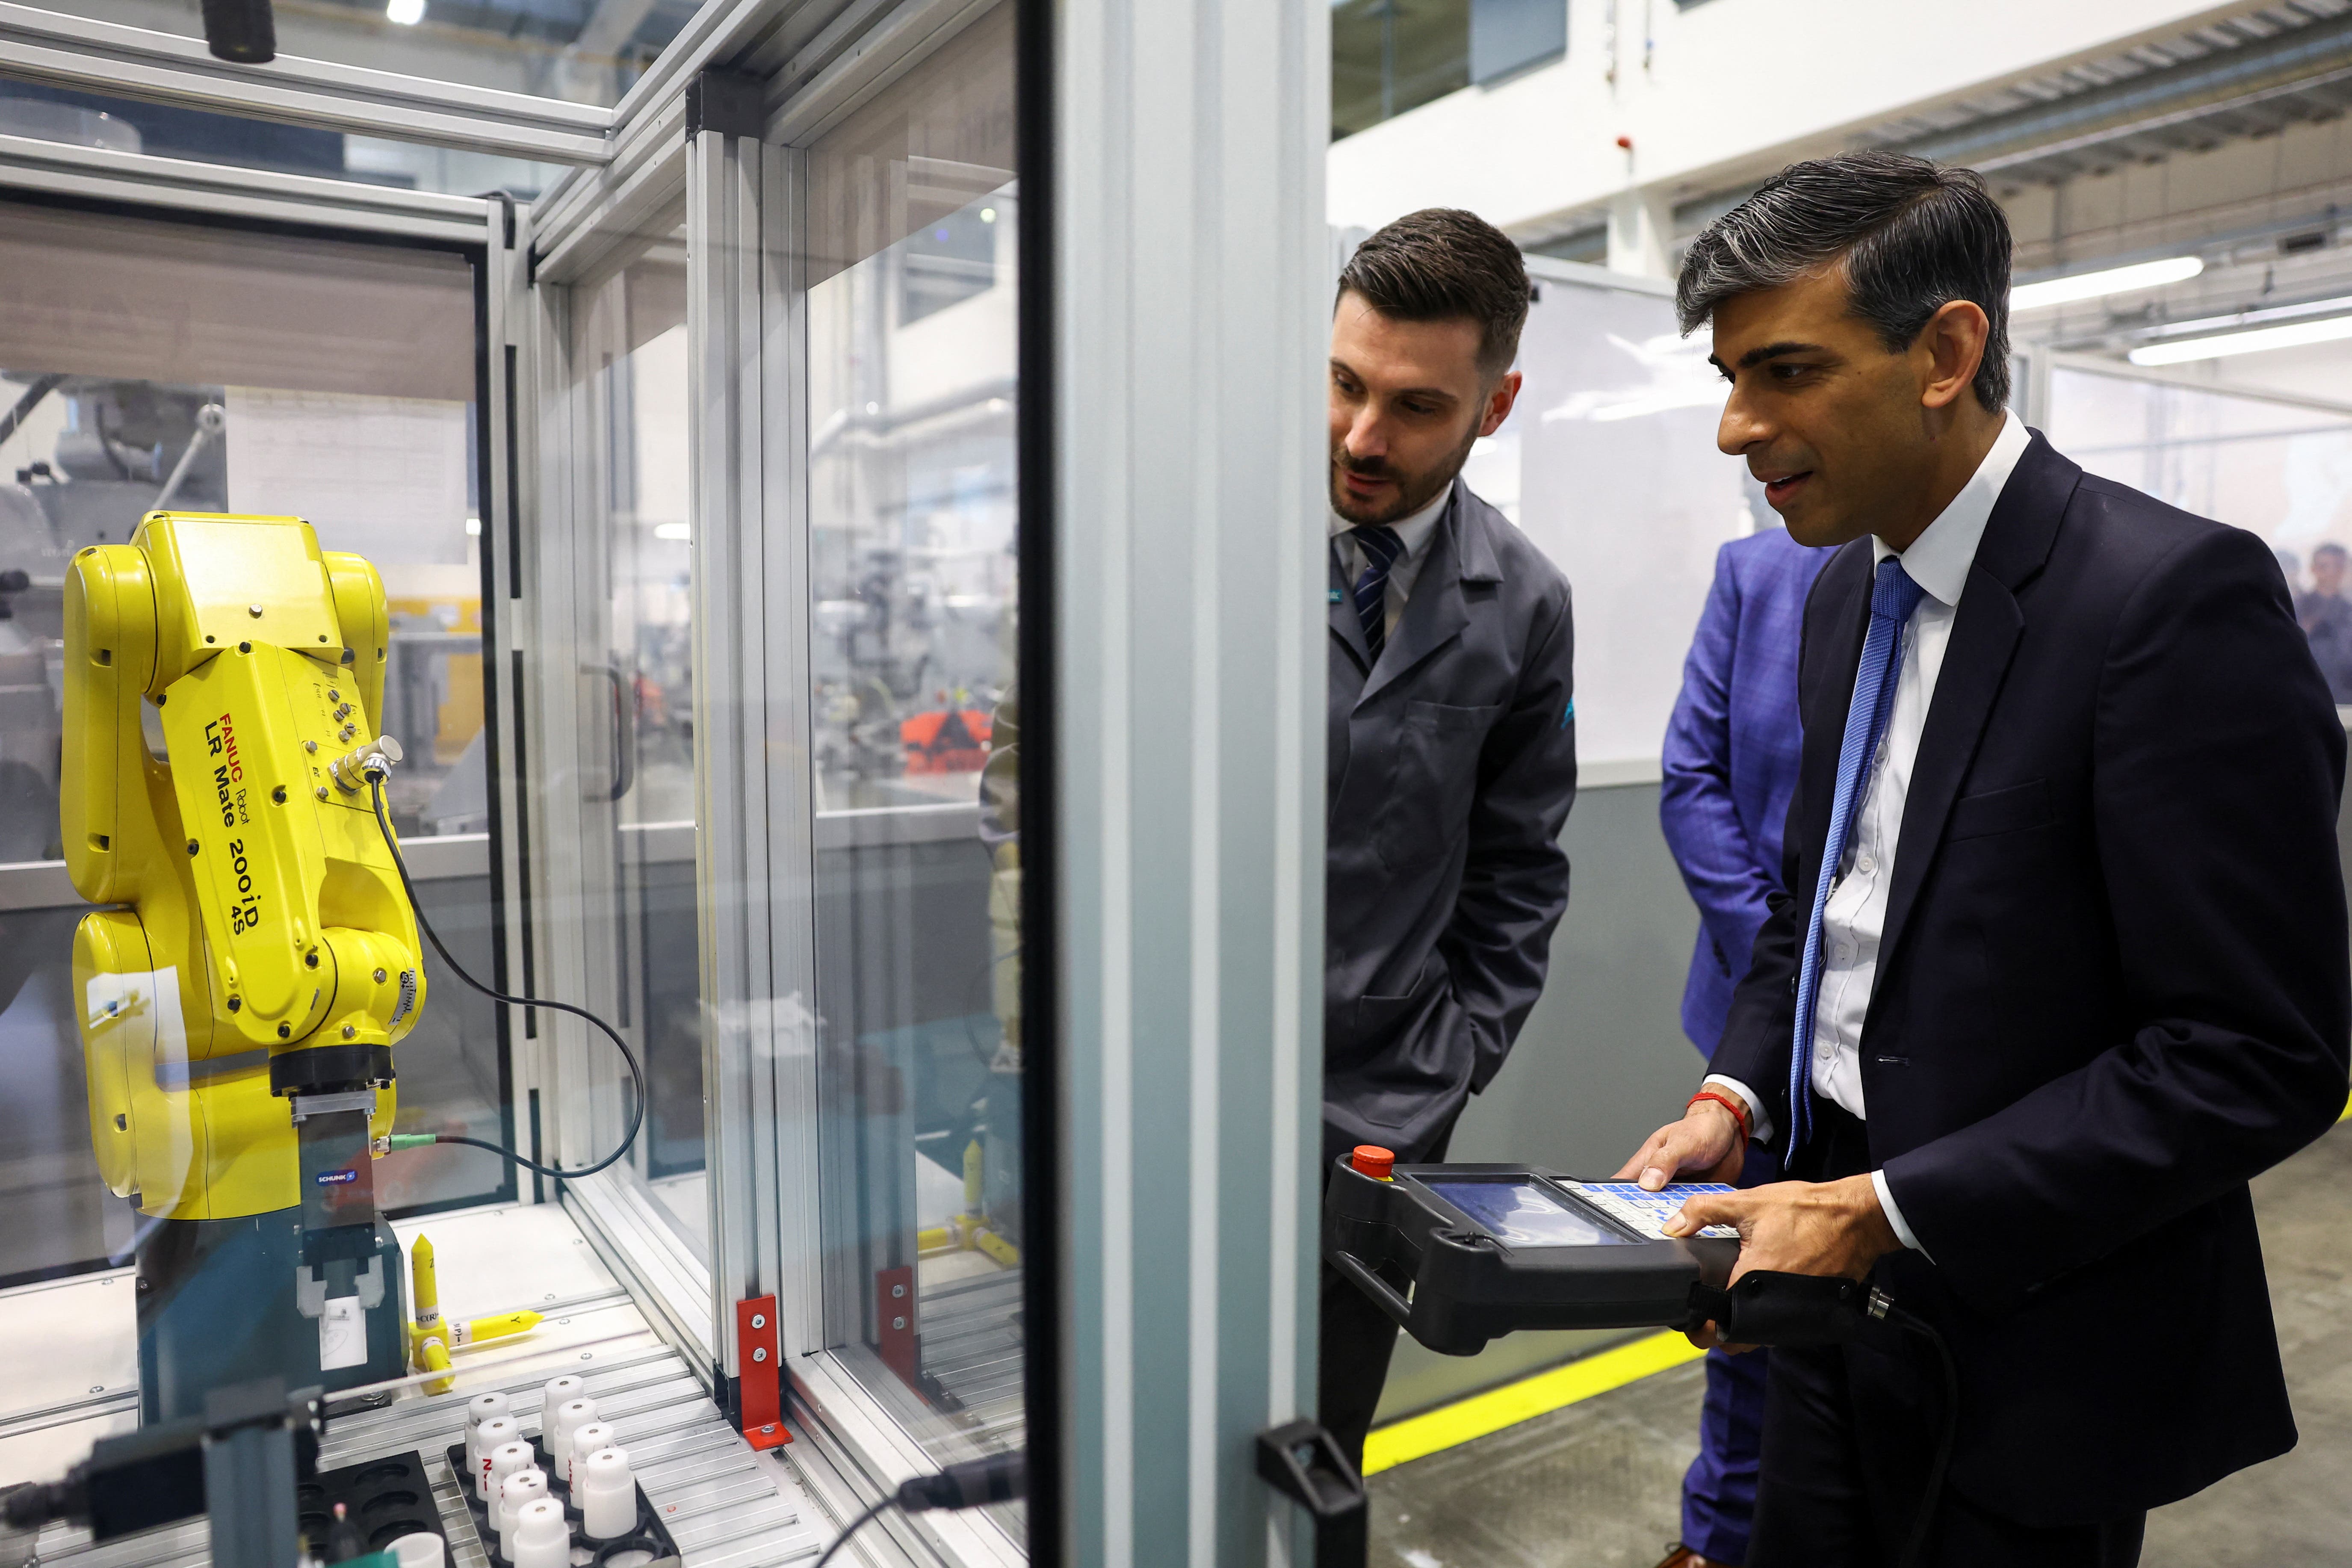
(1730, 760)
(2112, 987)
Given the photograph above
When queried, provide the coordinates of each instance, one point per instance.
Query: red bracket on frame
(758, 1380)
(894, 1301)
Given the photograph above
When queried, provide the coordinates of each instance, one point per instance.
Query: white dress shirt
(1414, 533)
(1855, 915)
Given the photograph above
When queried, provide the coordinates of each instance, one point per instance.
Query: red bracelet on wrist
(1740, 1112)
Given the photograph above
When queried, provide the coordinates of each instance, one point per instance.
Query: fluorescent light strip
(2113, 280)
(2209, 325)
(2288, 337)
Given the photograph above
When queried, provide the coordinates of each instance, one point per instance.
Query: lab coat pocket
(1436, 778)
(1375, 1019)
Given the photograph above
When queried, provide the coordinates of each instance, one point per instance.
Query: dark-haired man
(1452, 729)
(2062, 961)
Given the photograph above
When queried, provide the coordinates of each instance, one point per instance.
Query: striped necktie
(1892, 597)
(1381, 547)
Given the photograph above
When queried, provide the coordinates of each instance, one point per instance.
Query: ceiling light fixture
(2113, 280)
(405, 13)
(2206, 326)
(2288, 337)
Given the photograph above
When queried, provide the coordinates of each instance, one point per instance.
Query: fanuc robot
(241, 997)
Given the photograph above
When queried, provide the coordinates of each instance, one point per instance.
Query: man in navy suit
(2062, 963)
(1731, 764)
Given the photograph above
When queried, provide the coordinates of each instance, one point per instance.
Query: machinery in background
(240, 1004)
(127, 448)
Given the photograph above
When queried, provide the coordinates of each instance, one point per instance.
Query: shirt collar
(1940, 558)
(1413, 531)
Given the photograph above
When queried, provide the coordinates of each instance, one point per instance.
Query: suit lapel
(1984, 636)
(1345, 624)
(2016, 540)
(1827, 689)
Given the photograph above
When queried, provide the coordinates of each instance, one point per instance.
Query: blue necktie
(1380, 547)
(1892, 597)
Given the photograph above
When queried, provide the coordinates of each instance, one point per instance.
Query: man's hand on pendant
(1706, 1146)
(1834, 1228)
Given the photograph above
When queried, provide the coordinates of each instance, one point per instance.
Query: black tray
(386, 1498)
(649, 1536)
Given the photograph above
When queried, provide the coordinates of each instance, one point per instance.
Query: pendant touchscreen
(1522, 1213)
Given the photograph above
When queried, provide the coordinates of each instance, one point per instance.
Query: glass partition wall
(761, 557)
(911, 272)
(615, 783)
(148, 365)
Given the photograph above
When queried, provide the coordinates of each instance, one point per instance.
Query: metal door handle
(624, 734)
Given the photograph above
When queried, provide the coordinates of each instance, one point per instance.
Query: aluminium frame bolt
(254, 610)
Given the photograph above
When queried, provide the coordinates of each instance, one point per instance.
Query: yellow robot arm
(268, 949)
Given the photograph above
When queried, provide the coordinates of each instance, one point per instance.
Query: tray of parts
(383, 1498)
(649, 1545)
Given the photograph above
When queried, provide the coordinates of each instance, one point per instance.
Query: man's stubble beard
(1411, 497)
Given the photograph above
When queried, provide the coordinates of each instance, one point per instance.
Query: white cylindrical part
(480, 1408)
(586, 1440)
(507, 1461)
(606, 1495)
(540, 1538)
(559, 1424)
(521, 1488)
(422, 1550)
(491, 1435)
(558, 1391)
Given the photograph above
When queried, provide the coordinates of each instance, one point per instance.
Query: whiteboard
(1608, 464)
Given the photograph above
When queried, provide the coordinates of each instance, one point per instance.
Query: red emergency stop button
(1371, 1160)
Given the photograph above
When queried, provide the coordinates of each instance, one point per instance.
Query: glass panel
(587, 53)
(127, 125)
(1604, 463)
(1389, 56)
(2279, 469)
(61, 1218)
(145, 362)
(633, 633)
(914, 556)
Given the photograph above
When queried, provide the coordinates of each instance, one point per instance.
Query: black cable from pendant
(636, 1110)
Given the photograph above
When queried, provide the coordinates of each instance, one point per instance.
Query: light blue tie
(1382, 546)
(1892, 597)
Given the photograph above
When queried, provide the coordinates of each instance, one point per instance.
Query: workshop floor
(1599, 1484)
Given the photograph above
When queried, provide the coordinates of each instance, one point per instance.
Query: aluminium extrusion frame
(134, 62)
(1172, 157)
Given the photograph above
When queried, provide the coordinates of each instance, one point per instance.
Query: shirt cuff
(1759, 1125)
(1895, 1215)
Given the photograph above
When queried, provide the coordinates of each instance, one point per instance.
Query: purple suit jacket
(1731, 759)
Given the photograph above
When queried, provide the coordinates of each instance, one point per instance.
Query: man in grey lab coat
(1452, 729)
